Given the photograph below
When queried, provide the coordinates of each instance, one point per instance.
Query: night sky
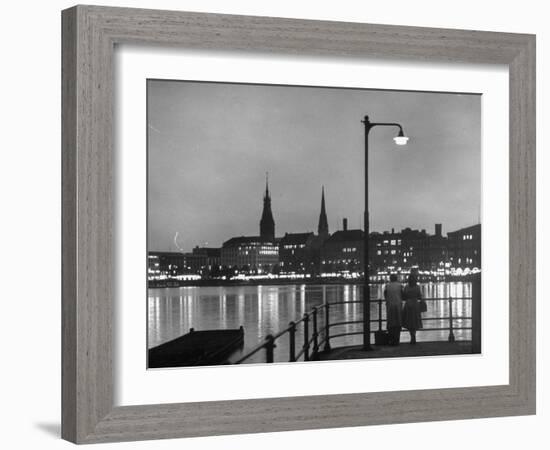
(211, 144)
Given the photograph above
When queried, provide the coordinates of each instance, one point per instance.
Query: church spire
(322, 228)
(267, 224)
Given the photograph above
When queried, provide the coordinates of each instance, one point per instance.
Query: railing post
(306, 337)
(292, 341)
(451, 332)
(476, 314)
(315, 338)
(269, 347)
(379, 314)
(327, 328)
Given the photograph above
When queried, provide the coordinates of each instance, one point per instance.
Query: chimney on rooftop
(345, 224)
(438, 229)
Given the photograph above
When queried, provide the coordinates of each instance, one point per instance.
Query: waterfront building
(211, 255)
(435, 254)
(430, 253)
(250, 254)
(464, 247)
(386, 250)
(209, 259)
(153, 266)
(173, 264)
(343, 252)
(254, 254)
(398, 251)
(414, 244)
(297, 253)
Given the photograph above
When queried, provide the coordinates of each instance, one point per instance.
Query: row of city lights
(157, 275)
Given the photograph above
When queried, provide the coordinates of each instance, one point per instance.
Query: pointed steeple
(322, 229)
(267, 224)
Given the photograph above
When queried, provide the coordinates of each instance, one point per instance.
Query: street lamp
(400, 139)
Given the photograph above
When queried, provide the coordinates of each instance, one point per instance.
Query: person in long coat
(412, 318)
(393, 293)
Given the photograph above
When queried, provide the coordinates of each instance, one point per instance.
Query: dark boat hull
(197, 348)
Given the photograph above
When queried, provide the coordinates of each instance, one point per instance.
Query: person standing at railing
(393, 293)
(412, 316)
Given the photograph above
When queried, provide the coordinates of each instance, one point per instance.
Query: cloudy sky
(210, 145)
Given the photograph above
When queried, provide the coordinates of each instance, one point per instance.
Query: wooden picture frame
(89, 36)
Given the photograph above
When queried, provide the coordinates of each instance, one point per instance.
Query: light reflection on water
(264, 310)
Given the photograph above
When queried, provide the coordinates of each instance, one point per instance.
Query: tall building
(387, 249)
(297, 253)
(465, 247)
(210, 258)
(406, 249)
(343, 251)
(267, 224)
(258, 254)
(322, 228)
(436, 255)
(173, 264)
(250, 254)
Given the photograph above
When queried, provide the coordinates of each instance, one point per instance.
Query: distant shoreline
(266, 282)
(278, 282)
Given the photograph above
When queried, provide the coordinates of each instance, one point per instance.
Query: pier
(404, 350)
(310, 337)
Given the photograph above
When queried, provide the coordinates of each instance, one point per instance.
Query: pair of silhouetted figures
(404, 307)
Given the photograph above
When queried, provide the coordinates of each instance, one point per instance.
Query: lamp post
(400, 139)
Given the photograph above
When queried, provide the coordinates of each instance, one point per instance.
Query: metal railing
(321, 336)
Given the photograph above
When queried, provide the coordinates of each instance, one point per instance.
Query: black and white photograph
(302, 224)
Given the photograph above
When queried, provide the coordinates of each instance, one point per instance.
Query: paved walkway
(401, 351)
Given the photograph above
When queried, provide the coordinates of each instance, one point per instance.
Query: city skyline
(430, 229)
(206, 168)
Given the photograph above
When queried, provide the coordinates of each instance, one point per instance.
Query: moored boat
(197, 348)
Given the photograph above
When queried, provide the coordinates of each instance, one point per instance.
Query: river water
(264, 310)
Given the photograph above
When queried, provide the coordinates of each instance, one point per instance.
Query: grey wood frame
(89, 34)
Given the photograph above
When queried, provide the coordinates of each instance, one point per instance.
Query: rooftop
(296, 238)
(347, 235)
(246, 240)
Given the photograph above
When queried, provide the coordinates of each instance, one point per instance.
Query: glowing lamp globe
(401, 139)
